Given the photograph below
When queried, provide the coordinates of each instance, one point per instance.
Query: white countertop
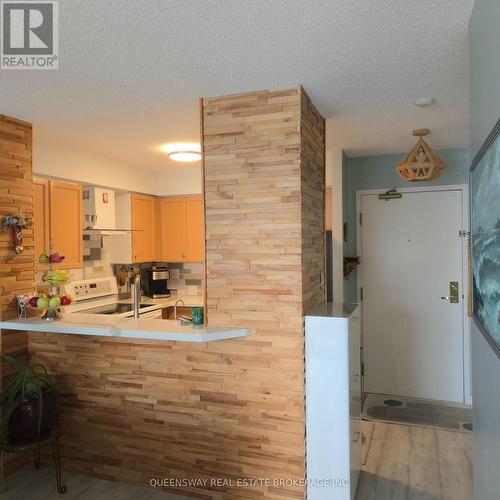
(127, 328)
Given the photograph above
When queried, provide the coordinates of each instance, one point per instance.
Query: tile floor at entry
(418, 412)
(404, 463)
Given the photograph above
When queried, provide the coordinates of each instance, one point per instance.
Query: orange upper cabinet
(182, 229)
(172, 222)
(195, 230)
(57, 215)
(65, 219)
(144, 228)
(41, 216)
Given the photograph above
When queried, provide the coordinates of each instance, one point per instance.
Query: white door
(412, 337)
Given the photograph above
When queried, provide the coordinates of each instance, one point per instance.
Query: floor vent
(393, 402)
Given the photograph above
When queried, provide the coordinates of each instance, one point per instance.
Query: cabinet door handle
(356, 437)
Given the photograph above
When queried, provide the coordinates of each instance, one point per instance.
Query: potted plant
(27, 402)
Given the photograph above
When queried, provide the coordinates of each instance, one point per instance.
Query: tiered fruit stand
(51, 302)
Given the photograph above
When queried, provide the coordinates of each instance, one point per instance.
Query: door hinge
(463, 234)
(361, 294)
(360, 218)
(362, 369)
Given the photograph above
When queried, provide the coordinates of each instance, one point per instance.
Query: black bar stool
(52, 440)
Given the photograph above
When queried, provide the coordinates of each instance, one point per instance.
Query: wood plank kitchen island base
(132, 410)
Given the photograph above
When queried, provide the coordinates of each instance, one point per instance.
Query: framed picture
(485, 238)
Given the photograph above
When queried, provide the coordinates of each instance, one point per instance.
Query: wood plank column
(264, 181)
(17, 271)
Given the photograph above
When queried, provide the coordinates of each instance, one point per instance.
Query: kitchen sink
(168, 312)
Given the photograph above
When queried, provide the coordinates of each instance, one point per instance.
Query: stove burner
(113, 309)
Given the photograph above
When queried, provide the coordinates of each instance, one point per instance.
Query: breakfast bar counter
(126, 328)
(134, 392)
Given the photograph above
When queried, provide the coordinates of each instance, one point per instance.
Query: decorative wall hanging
(421, 163)
(16, 223)
(485, 238)
(350, 264)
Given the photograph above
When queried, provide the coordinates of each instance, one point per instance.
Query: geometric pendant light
(421, 163)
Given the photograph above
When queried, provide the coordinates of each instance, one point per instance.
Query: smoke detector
(424, 101)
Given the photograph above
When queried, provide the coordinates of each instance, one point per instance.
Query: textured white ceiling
(131, 71)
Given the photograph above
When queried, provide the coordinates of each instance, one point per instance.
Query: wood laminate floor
(32, 484)
(403, 463)
(416, 463)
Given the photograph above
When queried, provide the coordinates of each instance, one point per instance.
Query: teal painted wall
(345, 211)
(378, 172)
(484, 38)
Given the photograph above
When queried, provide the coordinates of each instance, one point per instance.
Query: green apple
(42, 302)
(43, 259)
(54, 302)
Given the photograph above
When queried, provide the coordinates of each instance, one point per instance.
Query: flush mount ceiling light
(424, 101)
(421, 163)
(182, 151)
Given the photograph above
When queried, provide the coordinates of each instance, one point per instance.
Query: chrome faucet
(175, 307)
(136, 293)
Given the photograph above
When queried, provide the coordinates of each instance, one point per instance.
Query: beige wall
(185, 179)
(54, 157)
(334, 179)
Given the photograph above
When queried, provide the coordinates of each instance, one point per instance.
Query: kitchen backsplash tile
(92, 247)
(187, 278)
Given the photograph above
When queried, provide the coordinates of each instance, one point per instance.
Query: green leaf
(27, 383)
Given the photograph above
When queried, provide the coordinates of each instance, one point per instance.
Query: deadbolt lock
(453, 297)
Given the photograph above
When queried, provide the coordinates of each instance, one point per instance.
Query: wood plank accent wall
(264, 193)
(17, 272)
(312, 165)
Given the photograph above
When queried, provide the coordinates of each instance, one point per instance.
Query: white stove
(100, 296)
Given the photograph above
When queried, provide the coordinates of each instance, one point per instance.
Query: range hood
(99, 212)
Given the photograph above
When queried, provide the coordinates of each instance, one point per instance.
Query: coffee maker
(155, 282)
